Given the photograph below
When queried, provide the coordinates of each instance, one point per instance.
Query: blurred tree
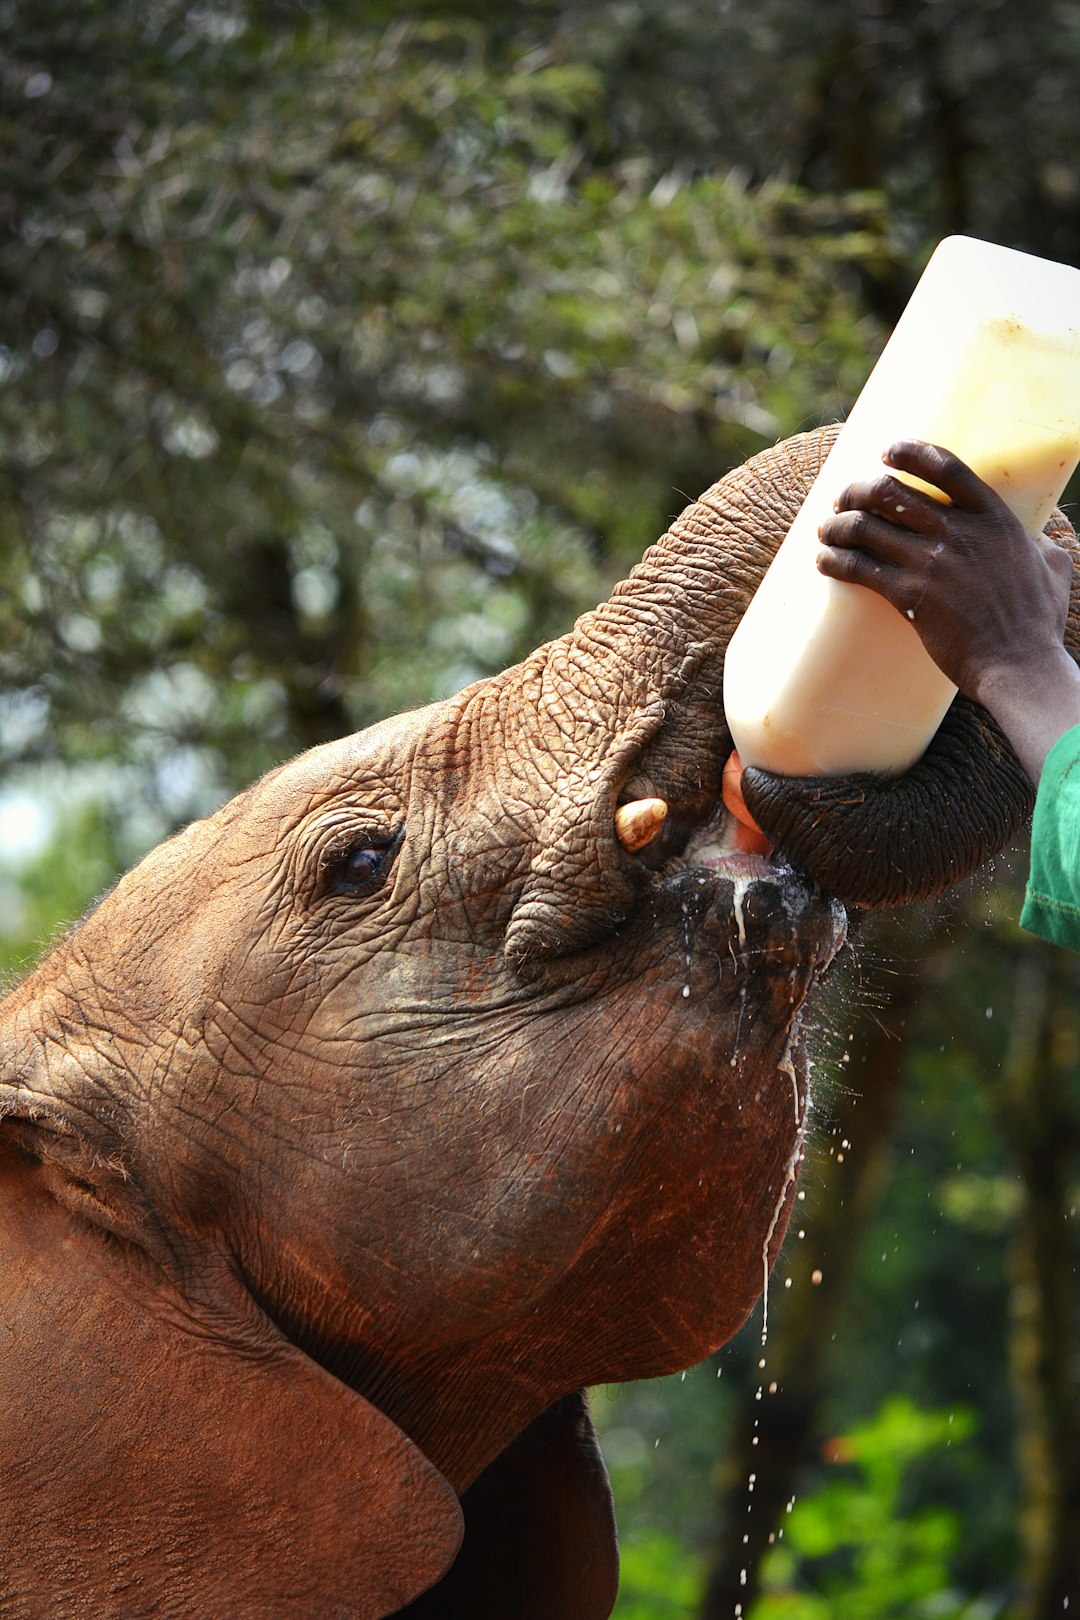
(1031, 1064)
(872, 1557)
(340, 371)
(958, 112)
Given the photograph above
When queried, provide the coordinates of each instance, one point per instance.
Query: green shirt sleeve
(1052, 902)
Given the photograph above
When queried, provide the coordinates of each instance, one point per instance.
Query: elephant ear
(165, 1455)
(539, 1530)
(876, 841)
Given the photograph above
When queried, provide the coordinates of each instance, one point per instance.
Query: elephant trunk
(874, 841)
(635, 696)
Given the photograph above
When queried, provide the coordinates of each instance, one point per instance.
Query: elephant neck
(461, 1406)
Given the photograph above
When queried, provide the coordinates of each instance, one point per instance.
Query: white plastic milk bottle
(823, 676)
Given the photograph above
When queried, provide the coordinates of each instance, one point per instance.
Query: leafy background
(349, 350)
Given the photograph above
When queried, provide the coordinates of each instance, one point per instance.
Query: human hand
(989, 601)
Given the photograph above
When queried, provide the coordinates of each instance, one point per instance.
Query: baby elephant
(452, 1068)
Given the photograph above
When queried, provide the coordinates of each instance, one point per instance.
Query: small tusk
(637, 824)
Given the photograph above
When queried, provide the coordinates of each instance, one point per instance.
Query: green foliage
(661, 1439)
(850, 1550)
(41, 894)
(657, 1580)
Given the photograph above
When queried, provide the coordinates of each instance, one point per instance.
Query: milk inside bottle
(823, 676)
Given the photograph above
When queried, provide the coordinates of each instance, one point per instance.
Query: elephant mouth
(718, 847)
(716, 860)
(722, 854)
(693, 847)
(772, 914)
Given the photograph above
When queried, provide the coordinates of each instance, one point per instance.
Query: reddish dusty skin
(748, 836)
(367, 1121)
(405, 1159)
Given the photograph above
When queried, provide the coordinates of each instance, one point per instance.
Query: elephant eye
(360, 870)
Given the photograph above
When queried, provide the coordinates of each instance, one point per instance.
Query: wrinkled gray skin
(370, 1119)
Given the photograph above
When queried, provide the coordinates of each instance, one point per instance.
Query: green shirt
(1052, 903)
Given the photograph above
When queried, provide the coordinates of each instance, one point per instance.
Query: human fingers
(861, 531)
(945, 471)
(887, 497)
(864, 550)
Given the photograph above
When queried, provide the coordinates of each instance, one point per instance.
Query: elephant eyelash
(357, 868)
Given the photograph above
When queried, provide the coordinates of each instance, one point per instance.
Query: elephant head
(453, 1067)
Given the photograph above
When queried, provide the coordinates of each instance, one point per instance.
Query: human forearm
(1034, 703)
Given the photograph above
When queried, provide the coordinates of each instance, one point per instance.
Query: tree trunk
(1040, 1122)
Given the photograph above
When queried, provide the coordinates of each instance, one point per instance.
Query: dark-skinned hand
(989, 601)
